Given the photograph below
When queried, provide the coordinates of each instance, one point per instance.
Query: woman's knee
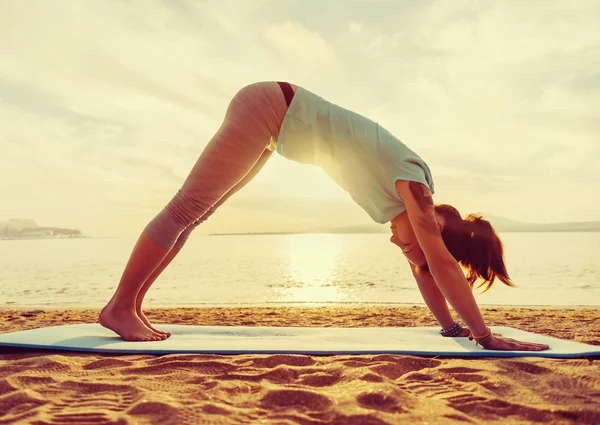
(186, 207)
(180, 214)
(183, 236)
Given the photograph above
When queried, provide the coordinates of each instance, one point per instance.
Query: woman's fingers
(529, 345)
(497, 343)
(535, 345)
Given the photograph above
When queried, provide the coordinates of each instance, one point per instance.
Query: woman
(387, 179)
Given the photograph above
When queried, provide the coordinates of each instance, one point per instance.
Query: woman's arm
(433, 297)
(435, 301)
(443, 267)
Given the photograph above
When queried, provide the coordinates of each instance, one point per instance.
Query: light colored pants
(234, 155)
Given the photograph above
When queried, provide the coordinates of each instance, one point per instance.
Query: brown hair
(475, 245)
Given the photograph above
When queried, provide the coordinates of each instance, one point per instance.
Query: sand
(52, 387)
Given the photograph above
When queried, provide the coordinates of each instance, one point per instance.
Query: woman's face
(404, 236)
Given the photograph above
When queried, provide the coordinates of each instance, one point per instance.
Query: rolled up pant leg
(247, 178)
(252, 118)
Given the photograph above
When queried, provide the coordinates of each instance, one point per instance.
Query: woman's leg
(186, 233)
(252, 118)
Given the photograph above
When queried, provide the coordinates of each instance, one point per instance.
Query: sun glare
(313, 266)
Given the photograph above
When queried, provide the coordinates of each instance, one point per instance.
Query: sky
(106, 105)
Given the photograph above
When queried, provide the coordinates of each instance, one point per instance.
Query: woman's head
(475, 245)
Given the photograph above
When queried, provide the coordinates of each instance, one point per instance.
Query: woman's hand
(498, 343)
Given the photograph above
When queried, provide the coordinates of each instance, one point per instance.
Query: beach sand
(52, 387)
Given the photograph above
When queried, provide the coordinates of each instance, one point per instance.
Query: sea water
(557, 269)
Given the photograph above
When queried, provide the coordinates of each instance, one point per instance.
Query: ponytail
(475, 245)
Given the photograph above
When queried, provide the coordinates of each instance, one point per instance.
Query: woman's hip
(258, 108)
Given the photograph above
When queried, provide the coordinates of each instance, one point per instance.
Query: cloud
(110, 103)
(299, 45)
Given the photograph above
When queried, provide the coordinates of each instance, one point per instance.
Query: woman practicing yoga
(387, 179)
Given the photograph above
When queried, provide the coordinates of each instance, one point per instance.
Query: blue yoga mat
(295, 340)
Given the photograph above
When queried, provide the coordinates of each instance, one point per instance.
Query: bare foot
(146, 322)
(126, 324)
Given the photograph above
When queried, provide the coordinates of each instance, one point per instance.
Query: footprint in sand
(429, 386)
(41, 365)
(279, 359)
(479, 376)
(72, 402)
(523, 366)
(31, 382)
(17, 406)
(158, 412)
(107, 363)
(378, 401)
(396, 366)
(495, 409)
(297, 399)
(320, 379)
(91, 403)
(209, 414)
(465, 374)
(372, 377)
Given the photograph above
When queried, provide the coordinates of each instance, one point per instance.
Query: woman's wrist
(454, 330)
(482, 339)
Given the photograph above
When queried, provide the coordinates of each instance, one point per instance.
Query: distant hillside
(506, 225)
(501, 224)
(24, 228)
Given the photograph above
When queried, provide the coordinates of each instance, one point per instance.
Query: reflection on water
(548, 269)
(314, 262)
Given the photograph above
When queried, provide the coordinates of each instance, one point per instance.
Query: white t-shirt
(361, 156)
